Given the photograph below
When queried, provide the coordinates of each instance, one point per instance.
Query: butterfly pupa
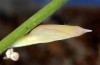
(49, 33)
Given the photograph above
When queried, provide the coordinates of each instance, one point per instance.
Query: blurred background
(83, 50)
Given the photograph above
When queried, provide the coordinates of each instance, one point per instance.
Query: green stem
(30, 23)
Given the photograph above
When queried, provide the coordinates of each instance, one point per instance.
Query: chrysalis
(49, 33)
(44, 34)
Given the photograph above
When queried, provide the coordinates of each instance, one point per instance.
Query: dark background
(83, 50)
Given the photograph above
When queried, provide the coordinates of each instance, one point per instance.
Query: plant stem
(30, 23)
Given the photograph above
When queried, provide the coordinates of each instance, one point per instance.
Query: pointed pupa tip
(87, 30)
